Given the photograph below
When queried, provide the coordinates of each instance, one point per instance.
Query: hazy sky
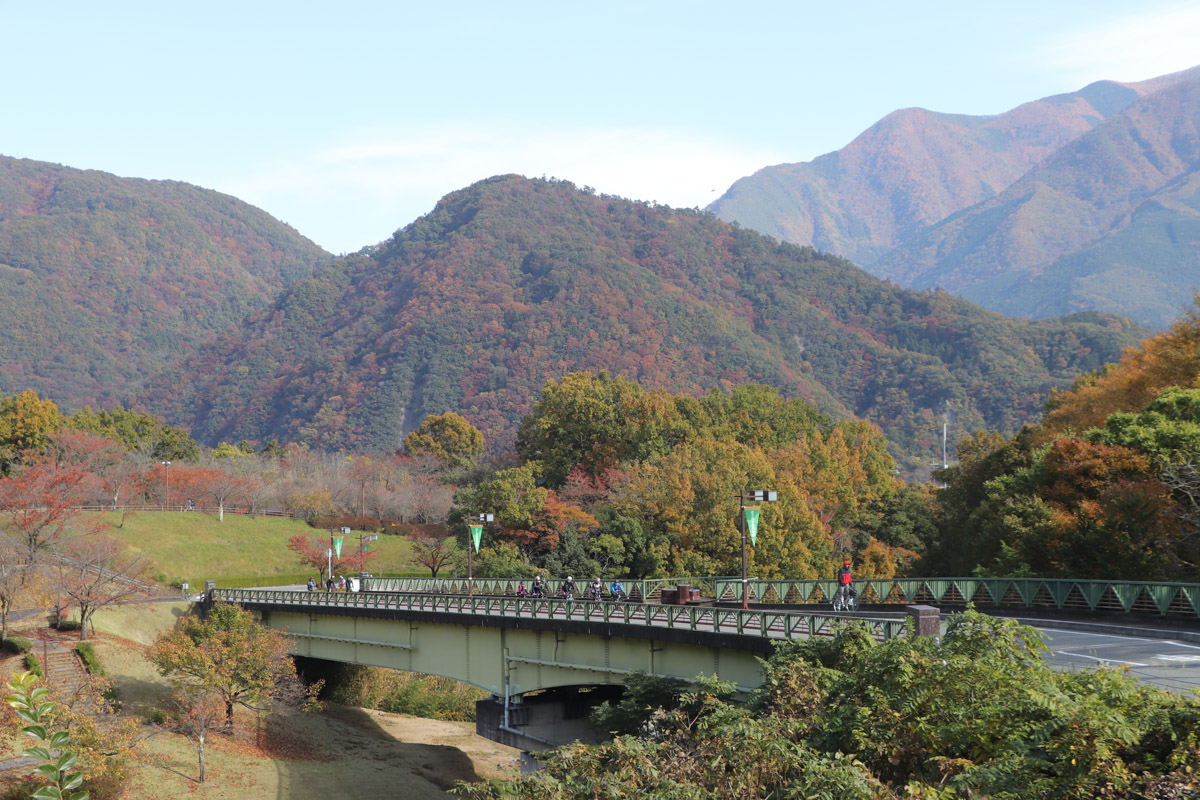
(349, 120)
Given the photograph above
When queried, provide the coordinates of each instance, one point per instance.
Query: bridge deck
(512, 612)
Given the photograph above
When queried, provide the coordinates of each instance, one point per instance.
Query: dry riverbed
(343, 753)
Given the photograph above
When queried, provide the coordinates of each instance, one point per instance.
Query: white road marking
(1181, 644)
(1104, 635)
(1101, 660)
(1183, 659)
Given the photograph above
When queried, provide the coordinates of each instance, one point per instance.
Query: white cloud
(357, 191)
(1143, 44)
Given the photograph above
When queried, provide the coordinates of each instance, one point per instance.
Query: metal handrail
(1064, 594)
(766, 623)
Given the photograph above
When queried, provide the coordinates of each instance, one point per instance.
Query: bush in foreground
(977, 714)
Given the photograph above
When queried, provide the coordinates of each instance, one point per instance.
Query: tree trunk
(200, 754)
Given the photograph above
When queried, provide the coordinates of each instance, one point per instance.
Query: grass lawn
(195, 547)
(344, 753)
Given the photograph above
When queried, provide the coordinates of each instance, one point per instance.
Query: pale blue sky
(348, 120)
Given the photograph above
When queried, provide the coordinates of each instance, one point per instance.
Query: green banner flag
(752, 515)
(337, 546)
(476, 535)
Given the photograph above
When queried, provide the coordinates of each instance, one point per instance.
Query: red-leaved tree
(41, 503)
(311, 551)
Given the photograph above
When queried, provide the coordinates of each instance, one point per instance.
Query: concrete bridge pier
(543, 720)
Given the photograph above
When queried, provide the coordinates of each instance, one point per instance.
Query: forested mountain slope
(511, 282)
(1082, 201)
(104, 280)
(1110, 222)
(913, 168)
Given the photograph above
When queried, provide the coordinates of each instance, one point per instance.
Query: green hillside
(512, 282)
(198, 547)
(105, 279)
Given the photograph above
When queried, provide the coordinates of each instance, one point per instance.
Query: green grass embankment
(241, 551)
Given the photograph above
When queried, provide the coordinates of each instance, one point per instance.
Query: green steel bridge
(1180, 600)
(479, 632)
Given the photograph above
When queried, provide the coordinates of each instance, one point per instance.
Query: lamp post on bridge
(476, 524)
(362, 538)
(749, 517)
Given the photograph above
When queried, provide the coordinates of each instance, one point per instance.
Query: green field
(242, 550)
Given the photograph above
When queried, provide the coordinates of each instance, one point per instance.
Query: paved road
(1170, 664)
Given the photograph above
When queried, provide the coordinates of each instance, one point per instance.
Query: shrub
(88, 654)
(405, 693)
(331, 522)
(393, 528)
(33, 664)
(18, 644)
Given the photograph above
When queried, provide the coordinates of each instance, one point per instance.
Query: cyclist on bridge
(844, 582)
(617, 591)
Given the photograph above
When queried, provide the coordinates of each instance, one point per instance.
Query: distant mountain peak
(911, 174)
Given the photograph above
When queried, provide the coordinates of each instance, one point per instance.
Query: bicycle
(846, 599)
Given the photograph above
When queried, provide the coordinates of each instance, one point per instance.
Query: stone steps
(64, 669)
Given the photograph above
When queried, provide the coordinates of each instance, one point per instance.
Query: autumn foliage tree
(41, 501)
(230, 654)
(26, 423)
(312, 553)
(96, 571)
(449, 437)
(432, 551)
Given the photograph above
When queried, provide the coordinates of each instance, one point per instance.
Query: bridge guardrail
(1063, 594)
(767, 623)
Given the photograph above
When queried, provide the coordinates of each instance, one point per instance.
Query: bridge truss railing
(641, 591)
(767, 623)
(1061, 594)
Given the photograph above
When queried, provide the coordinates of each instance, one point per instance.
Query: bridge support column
(928, 620)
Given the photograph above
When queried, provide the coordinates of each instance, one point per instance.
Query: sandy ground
(343, 753)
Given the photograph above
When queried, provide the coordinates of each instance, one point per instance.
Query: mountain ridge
(512, 282)
(916, 171)
(1092, 188)
(104, 279)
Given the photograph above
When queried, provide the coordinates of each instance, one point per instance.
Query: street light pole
(742, 521)
(166, 484)
(475, 527)
(758, 495)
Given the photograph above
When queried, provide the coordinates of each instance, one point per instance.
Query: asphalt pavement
(1168, 663)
